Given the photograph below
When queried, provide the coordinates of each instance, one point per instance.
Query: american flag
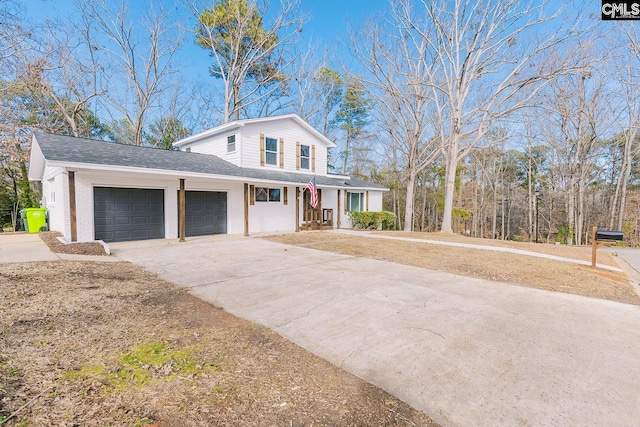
(313, 190)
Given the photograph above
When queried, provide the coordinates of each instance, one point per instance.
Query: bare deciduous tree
(140, 52)
(59, 70)
(628, 74)
(575, 113)
(396, 75)
(318, 90)
(13, 37)
(486, 54)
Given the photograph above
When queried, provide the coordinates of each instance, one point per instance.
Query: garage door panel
(140, 220)
(102, 221)
(140, 207)
(120, 235)
(122, 214)
(205, 213)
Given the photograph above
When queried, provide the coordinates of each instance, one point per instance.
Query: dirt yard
(91, 248)
(94, 344)
(498, 266)
(87, 343)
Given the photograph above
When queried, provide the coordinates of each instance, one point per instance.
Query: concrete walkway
(24, 247)
(472, 246)
(467, 352)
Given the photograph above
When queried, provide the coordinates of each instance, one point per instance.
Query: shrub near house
(372, 220)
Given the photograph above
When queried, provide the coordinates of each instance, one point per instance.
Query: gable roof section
(68, 151)
(239, 123)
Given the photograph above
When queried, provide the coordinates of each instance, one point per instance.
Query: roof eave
(208, 133)
(37, 161)
(75, 166)
(239, 123)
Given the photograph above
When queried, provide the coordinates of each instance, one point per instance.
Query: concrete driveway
(467, 352)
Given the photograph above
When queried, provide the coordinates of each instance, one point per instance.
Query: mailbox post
(602, 236)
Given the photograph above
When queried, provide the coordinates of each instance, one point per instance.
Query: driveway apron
(467, 352)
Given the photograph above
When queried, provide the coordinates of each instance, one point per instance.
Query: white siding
(375, 201)
(330, 201)
(291, 132)
(344, 219)
(55, 199)
(218, 147)
(247, 152)
(273, 217)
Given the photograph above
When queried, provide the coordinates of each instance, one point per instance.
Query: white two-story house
(246, 176)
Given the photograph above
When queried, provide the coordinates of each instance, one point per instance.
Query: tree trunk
(580, 209)
(424, 205)
(481, 211)
(509, 209)
(346, 153)
(624, 176)
(502, 212)
(615, 200)
(474, 220)
(530, 192)
(571, 208)
(408, 214)
(494, 207)
(236, 102)
(449, 189)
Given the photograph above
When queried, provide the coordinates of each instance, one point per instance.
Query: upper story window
(355, 202)
(271, 151)
(305, 153)
(231, 143)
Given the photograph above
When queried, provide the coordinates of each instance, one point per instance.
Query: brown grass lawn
(109, 344)
(498, 266)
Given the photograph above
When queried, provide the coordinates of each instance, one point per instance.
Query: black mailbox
(611, 235)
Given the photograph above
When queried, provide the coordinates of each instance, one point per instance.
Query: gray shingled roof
(89, 151)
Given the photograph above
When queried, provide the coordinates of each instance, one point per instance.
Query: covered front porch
(319, 218)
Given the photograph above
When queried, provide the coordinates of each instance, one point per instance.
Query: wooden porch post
(183, 211)
(72, 207)
(246, 209)
(297, 209)
(338, 211)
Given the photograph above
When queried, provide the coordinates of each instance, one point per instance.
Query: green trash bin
(34, 219)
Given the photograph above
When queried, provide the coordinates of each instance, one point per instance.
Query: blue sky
(326, 29)
(328, 17)
(329, 20)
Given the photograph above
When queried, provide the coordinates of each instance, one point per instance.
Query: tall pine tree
(353, 117)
